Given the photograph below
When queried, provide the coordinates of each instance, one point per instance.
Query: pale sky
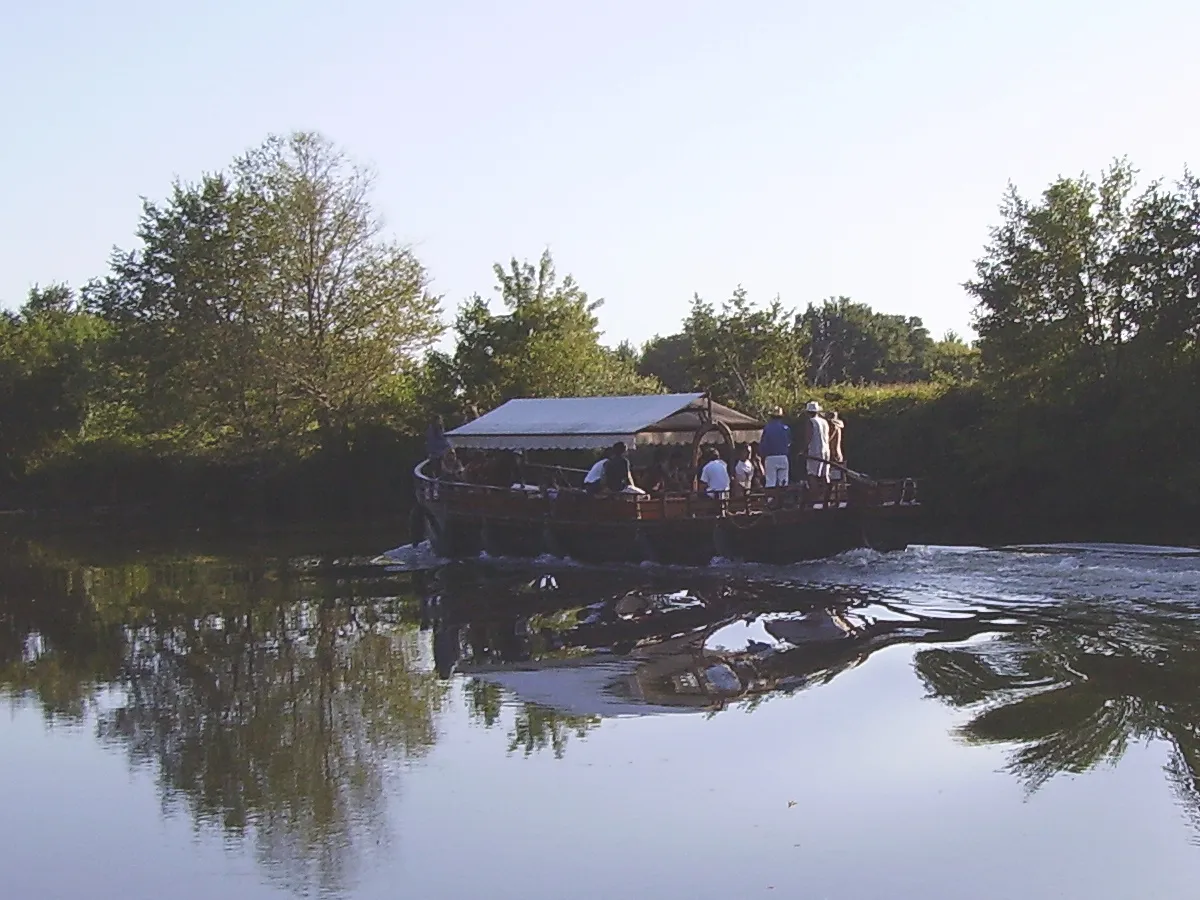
(658, 148)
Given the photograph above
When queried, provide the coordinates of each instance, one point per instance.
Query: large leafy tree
(349, 307)
(49, 375)
(745, 355)
(546, 343)
(849, 342)
(666, 358)
(952, 360)
(1053, 286)
(189, 308)
(1089, 321)
(266, 303)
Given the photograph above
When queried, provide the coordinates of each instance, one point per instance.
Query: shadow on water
(272, 694)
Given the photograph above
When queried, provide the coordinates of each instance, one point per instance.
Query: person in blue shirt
(776, 448)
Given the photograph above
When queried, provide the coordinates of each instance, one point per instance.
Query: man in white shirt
(715, 476)
(816, 444)
(743, 469)
(593, 481)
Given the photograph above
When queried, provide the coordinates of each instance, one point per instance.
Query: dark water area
(300, 714)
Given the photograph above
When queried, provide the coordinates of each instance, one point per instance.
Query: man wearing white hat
(816, 444)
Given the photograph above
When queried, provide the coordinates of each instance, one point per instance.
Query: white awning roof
(581, 423)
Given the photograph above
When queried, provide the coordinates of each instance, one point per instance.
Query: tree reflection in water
(270, 696)
(535, 727)
(270, 718)
(1075, 692)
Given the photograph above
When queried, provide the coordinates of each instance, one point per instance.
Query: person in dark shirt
(678, 479)
(617, 475)
(436, 443)
(654, 480)
(756, 462)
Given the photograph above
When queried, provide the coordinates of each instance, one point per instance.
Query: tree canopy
(546, 343)
(263, 317)
(264, 304)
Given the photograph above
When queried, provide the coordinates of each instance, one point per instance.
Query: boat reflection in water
(601, 649)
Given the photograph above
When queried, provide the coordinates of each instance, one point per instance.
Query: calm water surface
(323, 720)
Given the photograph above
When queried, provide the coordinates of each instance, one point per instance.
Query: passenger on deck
(436, 443)
(593, 481)
(743, 470)
(679, 480)
(655, 478)
(618, 477)
(715, 474)
(776, 447)
(451, 469)
(816, 445)
(756, 462)
(836, 426)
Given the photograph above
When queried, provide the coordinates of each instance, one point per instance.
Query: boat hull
(786, 537)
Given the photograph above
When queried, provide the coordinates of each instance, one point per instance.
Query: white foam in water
(943, 580)
(409, 558)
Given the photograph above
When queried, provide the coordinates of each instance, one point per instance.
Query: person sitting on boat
(618, 477)
(816, 445)
(743, 470)
(654, 479)
(593, 481)
(679, 480)
(715, 474)
(776, 448)
(450, 469)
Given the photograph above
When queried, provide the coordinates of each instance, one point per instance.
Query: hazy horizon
(659, 150)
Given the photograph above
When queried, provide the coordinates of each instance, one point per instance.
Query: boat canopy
(588, 423)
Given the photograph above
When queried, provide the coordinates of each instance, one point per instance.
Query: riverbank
(985, 478)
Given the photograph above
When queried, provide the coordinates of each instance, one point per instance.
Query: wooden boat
(556, 517)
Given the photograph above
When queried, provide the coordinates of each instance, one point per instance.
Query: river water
(317, 718)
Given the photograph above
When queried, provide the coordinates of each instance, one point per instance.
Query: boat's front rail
(541, 502)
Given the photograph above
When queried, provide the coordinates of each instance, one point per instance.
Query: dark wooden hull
(781, 537)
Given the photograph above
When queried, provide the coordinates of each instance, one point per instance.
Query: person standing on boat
(816, 444)
(436, 443)
(836, 455)
(776, 448)
(759, 480)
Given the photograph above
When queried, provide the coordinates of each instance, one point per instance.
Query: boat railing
(572, 502)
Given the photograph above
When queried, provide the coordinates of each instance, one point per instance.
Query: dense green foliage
(265, 348)
(50, 373)
(263, 306)
(546, 344)
(757, 357)
(1089, 323)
